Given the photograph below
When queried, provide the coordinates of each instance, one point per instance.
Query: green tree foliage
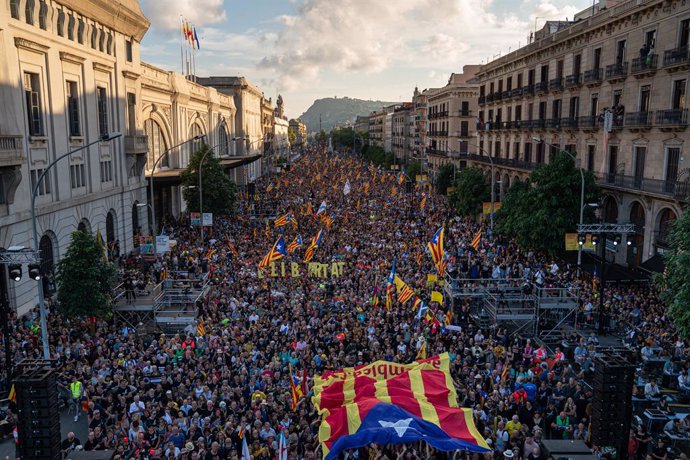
(342, 137)
(444, 179)
(292, 137)
(471, 189)
(85, 279)
(321, 137)
(539, 213)
(413, 169)
(378, 156)
(218, 190)
(675, 281)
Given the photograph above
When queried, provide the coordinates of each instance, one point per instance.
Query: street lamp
(41, 303)
(582, 193)
(151, 201)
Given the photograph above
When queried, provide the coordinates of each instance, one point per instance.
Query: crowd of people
(196, 395)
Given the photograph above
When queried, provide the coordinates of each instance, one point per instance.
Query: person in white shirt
(651, 390)
(136, 406)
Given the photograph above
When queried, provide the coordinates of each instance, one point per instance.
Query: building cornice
(124, 16)
(73, 58)
(29, 45)
(102, 67)
(130, 75)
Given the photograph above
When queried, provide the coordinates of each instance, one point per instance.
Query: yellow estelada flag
(431, 279)
(437, 297)
(421, 353)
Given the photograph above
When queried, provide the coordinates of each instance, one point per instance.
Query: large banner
(391, 403)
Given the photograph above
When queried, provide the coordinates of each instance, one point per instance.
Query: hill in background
(338, 111)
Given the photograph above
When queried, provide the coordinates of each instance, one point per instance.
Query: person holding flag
(277, 252)
(296, 244)
(389, 287)
(315, 242)
(435, 246)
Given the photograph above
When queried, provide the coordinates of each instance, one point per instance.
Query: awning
(654, 264)
(235, 162)
(167, 176)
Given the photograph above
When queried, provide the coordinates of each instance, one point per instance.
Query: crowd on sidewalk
(200, 395)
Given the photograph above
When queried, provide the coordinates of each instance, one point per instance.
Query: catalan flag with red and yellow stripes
(405, 292)
(391, 403)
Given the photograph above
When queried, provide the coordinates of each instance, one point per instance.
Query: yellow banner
(571, 243)
(296, 270)
(437, 297)
(486, 207)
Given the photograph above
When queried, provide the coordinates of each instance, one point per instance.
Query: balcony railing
(589, 122)
(677, 56)
(552, 123)
(542, 87)
(464, 134)
(517, 92)
(572, 81)
(528, 90)
(482, 99)
(593, 76)
(616, 71)
(510, 162)
(538, 124)
(644, 65)
(672, 118)
(556, 84)
(11, 150)
(507, 94)
(638, 119)
(676, 189)
(137, 144)
(465, 113)
(569, 123)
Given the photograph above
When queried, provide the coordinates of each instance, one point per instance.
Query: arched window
(110, 236)
(666, 220)
(29, 11)
(223, 147)
(195, 145)
(84, 226)
(157, 145)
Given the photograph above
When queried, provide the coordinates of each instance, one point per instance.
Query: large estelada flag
(391, 403)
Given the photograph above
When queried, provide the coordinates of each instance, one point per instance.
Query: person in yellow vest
(76, 389)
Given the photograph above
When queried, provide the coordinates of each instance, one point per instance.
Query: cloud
(165, 15)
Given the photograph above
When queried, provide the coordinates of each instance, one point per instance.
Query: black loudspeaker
(612, 403)
(38, 414)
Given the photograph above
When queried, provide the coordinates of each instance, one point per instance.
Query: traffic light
(15, 271)
(35, 272)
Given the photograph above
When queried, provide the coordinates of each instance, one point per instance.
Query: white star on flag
(400, 427)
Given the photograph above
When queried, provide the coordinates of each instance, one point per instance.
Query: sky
(367, 49)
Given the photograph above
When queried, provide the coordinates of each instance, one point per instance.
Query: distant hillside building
(362, 124)
(300, 130)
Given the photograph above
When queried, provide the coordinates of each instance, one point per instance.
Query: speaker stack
(38, 414)
(612, 403)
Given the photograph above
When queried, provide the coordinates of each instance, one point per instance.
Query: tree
(444, 179)
(540, 212)
(217, 188)
(471, 189)
(675, 281)
(413, 170)
(321, 137)
(85, 279)
(292, 137)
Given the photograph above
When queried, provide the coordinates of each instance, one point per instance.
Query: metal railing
(593, 76)
(11, 149)
(638, 119)
(569, 123)
(674, 117)
(573, 80)
(556, 84)
(673, 188)
(136, 144)
(677, 56)
(542, 87)
(617, 70)
(643, 65)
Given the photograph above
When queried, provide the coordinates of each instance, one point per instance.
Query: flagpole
(181, 46)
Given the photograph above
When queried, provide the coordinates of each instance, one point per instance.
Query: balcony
(465, 113)
(542, 87)
(617, 72)
(517, 92)
(528, 90)
(505, 95)
(672, 120)
(509, 162)
(11, 151)
(482, 100)
(589, 123)
(538, 124)
(443, 114)
(642, 67)
(569, 123)
(464, 134)
(556, 84)
(593, 77)
(490, 98)
(552, 123)
(677, 59)
(137, 144)
(573, 81)
(672, 188)
(638, 121)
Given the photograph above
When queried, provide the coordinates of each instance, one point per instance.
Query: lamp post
(151, 201)
(582, 194)
(41, 303)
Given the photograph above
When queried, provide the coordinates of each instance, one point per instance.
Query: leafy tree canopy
(85, 279)
(539, 213)
(444, 179)
(471, 189)
(217, 188)
(675, 281)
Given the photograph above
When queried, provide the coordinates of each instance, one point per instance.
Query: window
(518, 113)
(509, 83)
(559, 69)
(574, 107)
(223, 142)
(29, 12)
(106, 170)
(70, 28)
(73, 109)
(672, 159)
(684, 33)
(131, 113)
(591, 149)
(542, 110)
(44, 187)
(157, 145)
(14, 9)
(43, 15)
(540, 152)
(530, 77)
(650, 38)
(638, 173)
(102, 111)
(519, 80)
(516, 150)
(544, 73)
(528, 152)
(617, 96)
(613, 163)
(645, 92)
(34, 110)
(556, 109)
(465, 108)
(80, 31)
(596, 59)
(128, 50)
(77, 174)
(498, 150)
(577, 64)
(61, 23)
(594, 105)
(620, 52)
(678, 102)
